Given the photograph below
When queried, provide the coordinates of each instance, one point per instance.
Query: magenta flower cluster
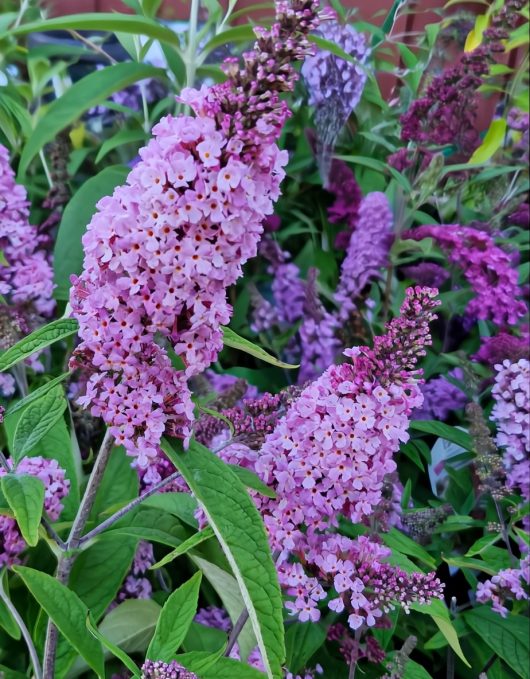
(26, 275)
(347, 199)
(509, 583)
(511, 414)
(367, 251)
(488, 269)
(56, 487)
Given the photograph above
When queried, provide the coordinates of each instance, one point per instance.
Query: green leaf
(444, 431)
(152, 525)
(175, 618)
(25, 496)
(466, 562)
(226, 668)
(202, 639)
(37, 420)
(226, 587)
(403, 544)
(81, 96)
(182, 505)
(492, 142)
(388, 23)
(120, 138)
(439, 613)
(100, 21)
(230, 36)
(55, 445)
(233, 340)
(199, 661)
(131, 624)
(119, 484)
(99, 571)
(68, 251)
(241, 534)
(7, 622)
(302, 640)
(414, 671)
(35, 395)
(251, 480)
(115, 650)
(508, 637)
(483, 543)
(330, 46)
(41, 338)
(68, 613)
(190, 543)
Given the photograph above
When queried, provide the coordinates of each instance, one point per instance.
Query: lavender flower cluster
(486, 267)
(511, 414)
(367, 251)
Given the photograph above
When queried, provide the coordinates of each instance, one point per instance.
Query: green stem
(23, 629)
(192, 43)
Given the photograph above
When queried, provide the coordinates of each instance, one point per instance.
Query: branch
(125, 510)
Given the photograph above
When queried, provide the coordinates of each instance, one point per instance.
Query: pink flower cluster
(56, 487)
(509, 583)
(27, 277)
(511, 414)
(160, 253)
(367, 251)
(358, 579)
(329, 456)
(488, 269)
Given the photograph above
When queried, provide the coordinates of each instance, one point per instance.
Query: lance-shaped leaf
(37, 420)
(41, 338)
(175, 619)
(235, 341)
(241, 534)
(25, 496)
(440, 615)
(80, 97)
(35, 395)
(192, 542)
(68, 613)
